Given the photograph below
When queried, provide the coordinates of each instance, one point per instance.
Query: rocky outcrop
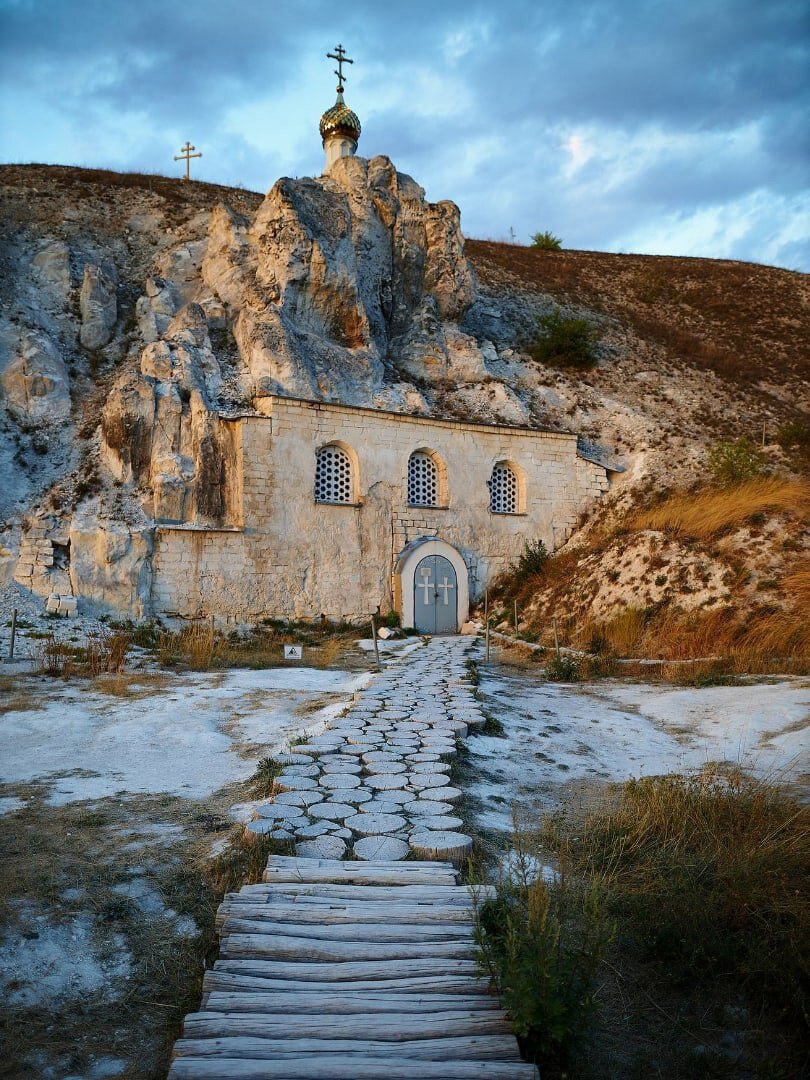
(35, 381)
(337, 279)
(109, 562)
(98, 305)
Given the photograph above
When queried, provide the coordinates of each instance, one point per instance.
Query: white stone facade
(286, 554)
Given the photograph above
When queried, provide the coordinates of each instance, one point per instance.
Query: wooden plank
(347, 1067)
(349, 1001)
(215, 979)
(414, 867)
(346, 912)
(347, 970)
(467, 1048)
(313, 893)
(316, 949)
(361, 873)
(390, 930)
(387, 1027)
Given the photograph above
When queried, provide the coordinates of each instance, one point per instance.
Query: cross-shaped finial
(186, 155)
(340, 55)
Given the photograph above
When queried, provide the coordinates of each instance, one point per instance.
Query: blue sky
(665, 126)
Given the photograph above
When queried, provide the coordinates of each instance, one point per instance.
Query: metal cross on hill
(186, 155)
(340, 55)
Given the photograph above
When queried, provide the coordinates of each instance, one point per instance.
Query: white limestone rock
(35, 383)
(99, 305)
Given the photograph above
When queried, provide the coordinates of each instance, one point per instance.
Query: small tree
(734, 462)
(546, 241)
(566, 342)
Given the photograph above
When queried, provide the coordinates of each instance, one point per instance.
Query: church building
(341, 510)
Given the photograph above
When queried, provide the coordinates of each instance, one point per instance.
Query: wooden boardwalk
(335, 970)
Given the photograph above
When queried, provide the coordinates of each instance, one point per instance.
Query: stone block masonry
(288, 555)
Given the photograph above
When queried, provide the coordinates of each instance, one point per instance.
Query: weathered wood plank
(347, 970)
(391, 929)
(467, 1048)
(347, 1067)
(357, 872)
(215, 980)
(315, 949)
(346, 912)
(386, 1027)
(347, 1002)
(321, 893)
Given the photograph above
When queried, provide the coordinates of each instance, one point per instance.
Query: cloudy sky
(666, 126)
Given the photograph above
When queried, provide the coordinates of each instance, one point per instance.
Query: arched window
(333, 476)
(423, 480)
(504, 490)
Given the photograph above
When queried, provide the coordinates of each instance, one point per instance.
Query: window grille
(333, 475)
(503, 490)
(423, 480)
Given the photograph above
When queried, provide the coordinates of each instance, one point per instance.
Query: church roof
(340, 120)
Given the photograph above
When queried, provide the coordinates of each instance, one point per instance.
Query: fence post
(516, 619)
(374, 639)
(486, 621)
(556, 639)
(13, 633)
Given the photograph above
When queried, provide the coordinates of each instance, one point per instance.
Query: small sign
(293, 652)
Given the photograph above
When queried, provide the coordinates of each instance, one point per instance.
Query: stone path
(361, 968)
(334, 970)
(376, 783)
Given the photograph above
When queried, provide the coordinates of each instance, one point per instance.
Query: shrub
(541, 944)
(546, 241)
(532, 560)
(794, 438)
(566, 342)
(563, 669)
(735, 462)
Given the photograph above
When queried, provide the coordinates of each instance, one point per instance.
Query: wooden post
(556, 639)
(486, 621)
(374, 639)
(13, 633)
(516, 633)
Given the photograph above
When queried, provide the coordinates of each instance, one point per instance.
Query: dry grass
(705, 876)
(704, 514)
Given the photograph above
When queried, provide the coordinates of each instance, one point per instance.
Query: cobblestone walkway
(376, 782)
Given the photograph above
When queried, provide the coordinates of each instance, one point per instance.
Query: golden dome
(340, 120)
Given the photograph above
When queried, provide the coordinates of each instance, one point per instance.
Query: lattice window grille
(333, 475)
(423, 480)
(503, 490)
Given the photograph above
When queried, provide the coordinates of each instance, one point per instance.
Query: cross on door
(426, 584)
(447, 587)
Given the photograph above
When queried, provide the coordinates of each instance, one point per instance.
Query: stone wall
(291, 556)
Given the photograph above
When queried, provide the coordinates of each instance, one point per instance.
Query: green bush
(563, 669)
(565, 342)
(735, 462)
(531, 561)
(541, 944)
(546, 241)
(794, 438)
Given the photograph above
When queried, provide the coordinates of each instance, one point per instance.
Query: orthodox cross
(186, 155)
(340, 55)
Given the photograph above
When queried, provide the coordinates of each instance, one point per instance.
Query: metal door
(435, 592)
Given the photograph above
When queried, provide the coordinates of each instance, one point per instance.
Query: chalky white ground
(376, 780)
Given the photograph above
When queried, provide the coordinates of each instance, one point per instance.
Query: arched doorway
(434, 601)
(431, 587)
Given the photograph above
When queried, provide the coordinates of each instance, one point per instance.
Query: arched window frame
(347, 455)
(497, 502)
(441, 500)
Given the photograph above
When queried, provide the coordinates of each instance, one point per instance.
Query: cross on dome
(339, 127)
